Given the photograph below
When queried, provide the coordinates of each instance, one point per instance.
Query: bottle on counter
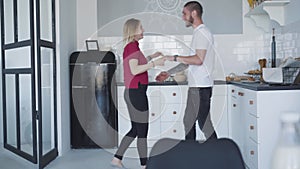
(273, 49)
(287, 152)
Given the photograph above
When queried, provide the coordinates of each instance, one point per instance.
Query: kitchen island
(254, 116)
(246, 112)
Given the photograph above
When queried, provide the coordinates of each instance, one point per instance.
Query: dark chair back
(178, 154)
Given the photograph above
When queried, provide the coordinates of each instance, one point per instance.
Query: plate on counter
(250, 81)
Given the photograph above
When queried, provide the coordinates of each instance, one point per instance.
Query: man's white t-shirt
(201, 75)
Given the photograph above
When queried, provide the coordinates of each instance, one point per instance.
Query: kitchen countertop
(159, 83)
(257, 86)
(216, 82)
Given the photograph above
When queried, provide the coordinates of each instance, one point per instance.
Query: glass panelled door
(29, 79)
(18, 78)
(46, 55)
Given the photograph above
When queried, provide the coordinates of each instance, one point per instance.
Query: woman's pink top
(132, 51)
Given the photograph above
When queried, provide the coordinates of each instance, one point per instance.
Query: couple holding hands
(200, 66)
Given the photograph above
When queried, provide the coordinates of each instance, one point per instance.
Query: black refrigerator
(92, 99)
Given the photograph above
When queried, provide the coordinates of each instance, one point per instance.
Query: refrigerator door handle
(79, 87)
(106, 63)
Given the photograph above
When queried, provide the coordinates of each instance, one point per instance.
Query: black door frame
(17, 44)
(35, 158)
(51, 155)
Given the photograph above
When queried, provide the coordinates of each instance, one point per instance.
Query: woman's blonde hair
(129, 30)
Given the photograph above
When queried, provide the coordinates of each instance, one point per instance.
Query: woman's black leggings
(138, 108)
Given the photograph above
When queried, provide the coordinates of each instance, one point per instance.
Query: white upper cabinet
(267, 11)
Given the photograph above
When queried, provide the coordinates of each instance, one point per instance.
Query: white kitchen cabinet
(267, 11)
(218, 111)
(154, 116)
(173, 103)
(167, 104)
(254, 121)
(236, 118)
(166, 108)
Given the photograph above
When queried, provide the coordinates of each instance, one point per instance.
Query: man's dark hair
(194, 5)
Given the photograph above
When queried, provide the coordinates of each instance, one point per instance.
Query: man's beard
(189, 22)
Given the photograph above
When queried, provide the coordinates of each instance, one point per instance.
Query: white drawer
(252, 154)
(232, 90)
(172, 112)
(218, 109)
(219, 90)
(173, 94)
(153, 91)
(172, 130)
(251, 106)
(124, 126)
(252, 128)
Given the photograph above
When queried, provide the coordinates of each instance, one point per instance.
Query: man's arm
(196, 59)
(179, 68)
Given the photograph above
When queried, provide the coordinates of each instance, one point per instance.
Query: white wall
(165, 18)
(66, 44)
(86, 22)
(232, 48)
(292, 11)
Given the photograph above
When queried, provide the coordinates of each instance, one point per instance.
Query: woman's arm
(154, 55)
(135, 68)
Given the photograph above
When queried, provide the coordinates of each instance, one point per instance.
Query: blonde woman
(136, 66)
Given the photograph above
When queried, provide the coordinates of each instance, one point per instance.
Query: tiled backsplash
(235, 53)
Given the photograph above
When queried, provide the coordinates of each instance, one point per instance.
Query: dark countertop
(216, 82)
(257, 86)
(159, 83)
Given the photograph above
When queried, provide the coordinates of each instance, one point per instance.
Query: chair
(212, 154)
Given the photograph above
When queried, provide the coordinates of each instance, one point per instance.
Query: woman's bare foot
(116, 162)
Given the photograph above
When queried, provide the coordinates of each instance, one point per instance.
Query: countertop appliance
(92, 99)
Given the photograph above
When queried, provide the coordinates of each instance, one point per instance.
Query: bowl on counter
(180, 78)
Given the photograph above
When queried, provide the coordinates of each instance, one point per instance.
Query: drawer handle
(152, 114)
(232, 91)
(174, 112)
(241, 94)
(252, 152)
(174, 94)
(174, 131)
(251, 127)
(251, 102)
(234, 105)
